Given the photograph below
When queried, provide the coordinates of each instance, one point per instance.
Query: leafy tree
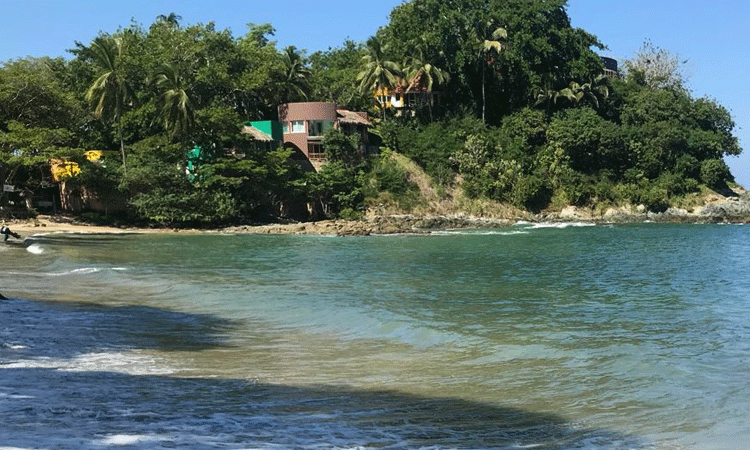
(334, 189)
(334, 75)
(33, 92)
(656, 68)
(590, 142)
(340, 147)
(255, 67)
(25, 154)
(540, 41)
(715, 173)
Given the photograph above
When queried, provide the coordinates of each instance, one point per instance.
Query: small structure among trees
(304, 126)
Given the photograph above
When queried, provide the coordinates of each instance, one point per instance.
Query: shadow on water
(54, 408)
(66, 330)
(45, 406)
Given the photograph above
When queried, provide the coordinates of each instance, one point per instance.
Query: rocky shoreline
(728, 211)
(718, 210)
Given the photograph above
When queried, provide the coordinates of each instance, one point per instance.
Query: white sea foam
(14, 346)
(562, 225)
(117, 362)
(501, 232)
(79, 271)
(125, 439)
(35, 249)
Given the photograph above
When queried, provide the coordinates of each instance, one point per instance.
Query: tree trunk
(484, 101)
(122, 144)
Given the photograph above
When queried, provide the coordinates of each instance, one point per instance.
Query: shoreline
(714, 208)
(734, 211)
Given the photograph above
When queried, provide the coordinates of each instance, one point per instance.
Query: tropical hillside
(495, 102)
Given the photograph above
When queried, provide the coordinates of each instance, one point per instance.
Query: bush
(715, 174)
(688, 166)
(199, 206)
(531, 192)
(388, 180)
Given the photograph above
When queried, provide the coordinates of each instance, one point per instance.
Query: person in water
(5, 231)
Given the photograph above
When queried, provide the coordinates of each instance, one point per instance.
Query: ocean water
(560, 336)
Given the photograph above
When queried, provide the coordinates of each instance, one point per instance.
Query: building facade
(610, 67)
(303, 126)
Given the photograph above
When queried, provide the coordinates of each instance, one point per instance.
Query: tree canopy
(525, 115)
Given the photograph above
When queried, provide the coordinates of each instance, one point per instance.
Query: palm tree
(545, 94)
(175, 107)
(173, 20)
(379, 73)
(110, 92)
(571, 93)
(295, 82)
(423, 74)
(593, 92)
(490, 48)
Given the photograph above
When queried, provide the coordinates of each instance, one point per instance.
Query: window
(317, 128)
(285, 127)
(298, 126)
(315, 151)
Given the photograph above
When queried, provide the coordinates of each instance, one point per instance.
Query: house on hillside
(610, 67)
(407, 98)
(303, 126)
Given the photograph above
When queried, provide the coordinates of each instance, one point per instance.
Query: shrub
(715, 173)
(688, 166)
(387, 176)
(531, 192)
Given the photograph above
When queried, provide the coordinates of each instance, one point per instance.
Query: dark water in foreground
(559, 337)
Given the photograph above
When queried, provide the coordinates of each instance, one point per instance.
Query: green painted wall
(270, 127)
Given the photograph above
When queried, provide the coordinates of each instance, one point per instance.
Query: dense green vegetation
(525, 117)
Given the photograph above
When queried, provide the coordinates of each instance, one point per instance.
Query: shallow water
(550, 337)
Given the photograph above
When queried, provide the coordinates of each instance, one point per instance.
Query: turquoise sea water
(536, 336)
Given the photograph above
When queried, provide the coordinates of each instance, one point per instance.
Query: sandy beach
(62, 224)
(374, 225)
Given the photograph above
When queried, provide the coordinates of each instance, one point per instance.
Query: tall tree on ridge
(379, 73)
(295, 83)
(490, 48)
(175, 107)
(173, 20)
(110, 92)
(421, 73)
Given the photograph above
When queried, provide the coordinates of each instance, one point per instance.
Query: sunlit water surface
(547, 337)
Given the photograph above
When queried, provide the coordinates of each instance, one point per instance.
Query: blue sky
(710, 35)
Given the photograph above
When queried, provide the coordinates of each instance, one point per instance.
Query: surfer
(5, 231)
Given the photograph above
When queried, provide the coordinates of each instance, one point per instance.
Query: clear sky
(711, 35)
